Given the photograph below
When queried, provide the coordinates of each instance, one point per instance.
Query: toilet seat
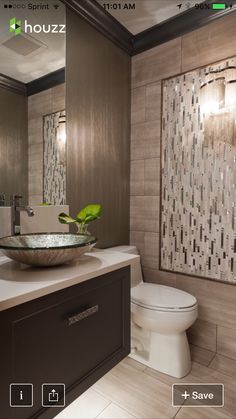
(162, 298)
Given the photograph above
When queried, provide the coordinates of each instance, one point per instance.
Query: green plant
(89, 213)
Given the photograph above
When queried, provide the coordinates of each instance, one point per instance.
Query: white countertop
(21, 283)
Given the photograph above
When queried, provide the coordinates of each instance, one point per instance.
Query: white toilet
(160, 316)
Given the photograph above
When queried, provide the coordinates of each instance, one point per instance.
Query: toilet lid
(160, 296)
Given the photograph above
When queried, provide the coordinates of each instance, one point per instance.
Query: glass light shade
(212, 96)
(230, 94)
(61, 142)
(220, 128)
(230, 73)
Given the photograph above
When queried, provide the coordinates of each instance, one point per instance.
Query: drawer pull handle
(80, 316)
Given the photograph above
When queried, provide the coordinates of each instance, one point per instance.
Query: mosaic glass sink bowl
(46, 249)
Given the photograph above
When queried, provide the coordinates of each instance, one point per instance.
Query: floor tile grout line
(177, 413)
(103, 409)
(227, 357)
(125, 409)
(117, 403)
(212, 361)
(215, 354)
(133, 413)
(201, 347)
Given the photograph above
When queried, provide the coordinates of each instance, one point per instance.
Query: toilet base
(168, 354)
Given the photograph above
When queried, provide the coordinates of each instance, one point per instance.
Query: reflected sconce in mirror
(218, 106)
(61, 138)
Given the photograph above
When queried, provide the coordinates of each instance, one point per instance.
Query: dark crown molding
(35, 86)
(46, 82)
(174, 27)
(12, 85)
(177, 26)
(93, 13)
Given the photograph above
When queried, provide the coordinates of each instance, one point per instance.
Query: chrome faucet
(16, 208)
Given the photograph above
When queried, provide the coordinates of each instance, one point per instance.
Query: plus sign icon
(185, 395)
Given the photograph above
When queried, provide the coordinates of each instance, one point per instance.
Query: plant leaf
(65, 219)
(89, 213)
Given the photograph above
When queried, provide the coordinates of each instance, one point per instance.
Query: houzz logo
(17, 27)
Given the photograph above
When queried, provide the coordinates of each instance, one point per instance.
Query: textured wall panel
(13, 144)
(198, 181)
(98, 129)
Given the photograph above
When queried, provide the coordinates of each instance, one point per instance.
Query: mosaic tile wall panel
(54, 159)
(198, 217)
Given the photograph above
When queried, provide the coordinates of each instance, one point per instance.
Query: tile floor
(131, 390)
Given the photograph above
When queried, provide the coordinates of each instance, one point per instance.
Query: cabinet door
(70, 340)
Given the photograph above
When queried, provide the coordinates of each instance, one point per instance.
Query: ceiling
(27, 57)
(146, 13)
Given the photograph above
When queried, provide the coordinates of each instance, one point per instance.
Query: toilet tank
(136, 271)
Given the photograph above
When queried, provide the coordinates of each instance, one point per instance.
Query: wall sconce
(212, 96)
(218, 94)
(61, 138)
(230, 93)
(218, 106)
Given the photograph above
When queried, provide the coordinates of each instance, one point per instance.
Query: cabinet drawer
(67, 350)
(68, 340)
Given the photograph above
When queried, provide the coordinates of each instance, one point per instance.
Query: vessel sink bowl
(46, 249)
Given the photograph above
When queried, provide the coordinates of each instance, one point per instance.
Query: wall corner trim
(13, 85)
(105, 23)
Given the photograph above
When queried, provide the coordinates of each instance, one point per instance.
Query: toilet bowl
(160, 316)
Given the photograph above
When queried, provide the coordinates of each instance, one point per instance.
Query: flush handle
(83, 315)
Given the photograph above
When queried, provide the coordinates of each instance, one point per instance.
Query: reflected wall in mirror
(54, 158)
(13, 144)
(32, 84)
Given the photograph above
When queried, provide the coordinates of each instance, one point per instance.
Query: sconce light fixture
(218, 106)
(213, 96)
(230, 93)
(218, 93)
(61, 137)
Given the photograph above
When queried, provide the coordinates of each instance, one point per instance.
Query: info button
(198, 395)
(21, 395)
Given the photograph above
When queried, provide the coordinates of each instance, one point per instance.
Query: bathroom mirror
(32, 85)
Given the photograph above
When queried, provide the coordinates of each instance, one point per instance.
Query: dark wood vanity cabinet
(73, 336)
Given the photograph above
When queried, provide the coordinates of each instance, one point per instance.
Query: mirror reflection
(32, 103)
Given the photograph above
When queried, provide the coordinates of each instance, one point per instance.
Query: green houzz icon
(15, 26)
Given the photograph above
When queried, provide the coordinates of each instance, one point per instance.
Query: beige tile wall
(215, 330)
(43, 103)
